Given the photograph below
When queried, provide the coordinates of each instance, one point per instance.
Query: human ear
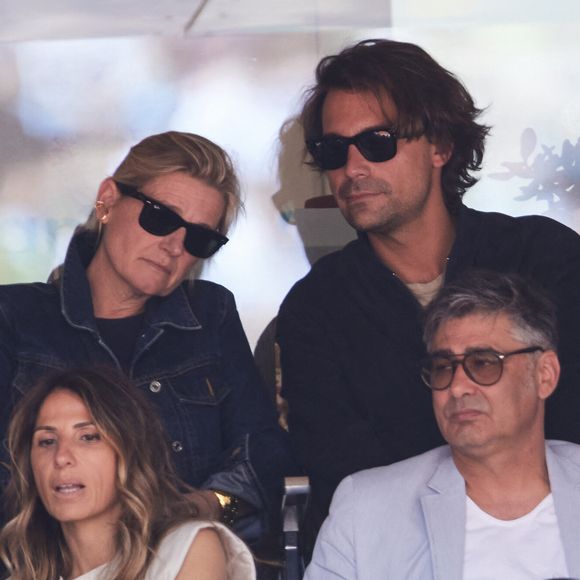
(548, 369)
(441, 153)
(108, 193)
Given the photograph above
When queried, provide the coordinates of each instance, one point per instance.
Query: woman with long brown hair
(94, 495)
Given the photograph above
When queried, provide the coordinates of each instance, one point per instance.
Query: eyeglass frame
(131, 191)
(456, 361)
(313, 144)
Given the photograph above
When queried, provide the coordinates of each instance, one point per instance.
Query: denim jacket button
(177, 446)
(154, 386)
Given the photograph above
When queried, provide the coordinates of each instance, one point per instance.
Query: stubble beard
(381, 219)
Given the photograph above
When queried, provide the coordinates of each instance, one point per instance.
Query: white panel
(60, 19)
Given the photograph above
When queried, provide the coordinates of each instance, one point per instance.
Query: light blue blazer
(407, 520)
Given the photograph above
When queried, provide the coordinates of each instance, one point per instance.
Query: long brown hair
(430, 101)
(151, 497)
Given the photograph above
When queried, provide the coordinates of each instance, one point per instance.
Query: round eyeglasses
(483, 367)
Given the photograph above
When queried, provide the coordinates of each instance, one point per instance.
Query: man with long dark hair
(398, 139)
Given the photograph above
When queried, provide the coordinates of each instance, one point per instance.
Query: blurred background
(80, 82)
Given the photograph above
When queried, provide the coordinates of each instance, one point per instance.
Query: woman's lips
(68, 488)
(158, 266)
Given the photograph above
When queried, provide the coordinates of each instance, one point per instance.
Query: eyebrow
(449, 353)
(54, 429)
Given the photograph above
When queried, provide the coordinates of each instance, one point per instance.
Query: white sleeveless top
(173, 548)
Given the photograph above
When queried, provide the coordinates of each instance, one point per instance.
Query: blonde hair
(175, 151)
(151, 497)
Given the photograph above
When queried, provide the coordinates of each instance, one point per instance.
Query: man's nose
(356, 163)
(461, 384)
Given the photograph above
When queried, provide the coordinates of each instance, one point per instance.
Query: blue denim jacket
(192, 359)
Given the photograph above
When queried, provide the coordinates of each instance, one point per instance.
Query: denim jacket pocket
(200, 384)
(189, 401)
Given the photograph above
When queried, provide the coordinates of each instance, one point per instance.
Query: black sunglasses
(484, 367)
(157, 219)
(331, 151)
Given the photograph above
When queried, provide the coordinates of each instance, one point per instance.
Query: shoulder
(396, 488)
(355, 531)
(196, 537)
(17, 299)
(204, 289)
(532, 226)
(24, 292)
(208, 298)
(539, 247)
(564, 450)
(206, 557)
(563, 461)
(404, 477)
(326, 274)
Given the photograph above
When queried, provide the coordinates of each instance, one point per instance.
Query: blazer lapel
(565, 486)
(444, 511)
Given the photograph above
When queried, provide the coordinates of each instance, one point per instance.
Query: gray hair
(530, 309)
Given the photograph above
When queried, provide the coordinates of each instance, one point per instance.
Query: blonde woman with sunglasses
(126, 298)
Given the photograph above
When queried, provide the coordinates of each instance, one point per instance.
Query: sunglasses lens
(377, 145)
(485, 368)
(203, 242)
(157, 220)
(329, 152)
(437, 372)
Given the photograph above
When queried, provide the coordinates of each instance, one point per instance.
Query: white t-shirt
(424, 292)
(527, 548)
(174, 547)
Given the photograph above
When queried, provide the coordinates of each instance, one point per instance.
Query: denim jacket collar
(75, 293)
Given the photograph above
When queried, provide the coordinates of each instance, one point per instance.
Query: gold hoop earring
(100, 205)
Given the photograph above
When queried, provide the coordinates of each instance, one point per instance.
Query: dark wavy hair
(151, 497)
(430, 101)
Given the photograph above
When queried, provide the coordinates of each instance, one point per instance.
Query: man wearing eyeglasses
(398, 139)
(499, 501)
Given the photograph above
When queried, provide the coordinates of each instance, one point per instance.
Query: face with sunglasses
(496, 387)
(379, 180)
(153, 236)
